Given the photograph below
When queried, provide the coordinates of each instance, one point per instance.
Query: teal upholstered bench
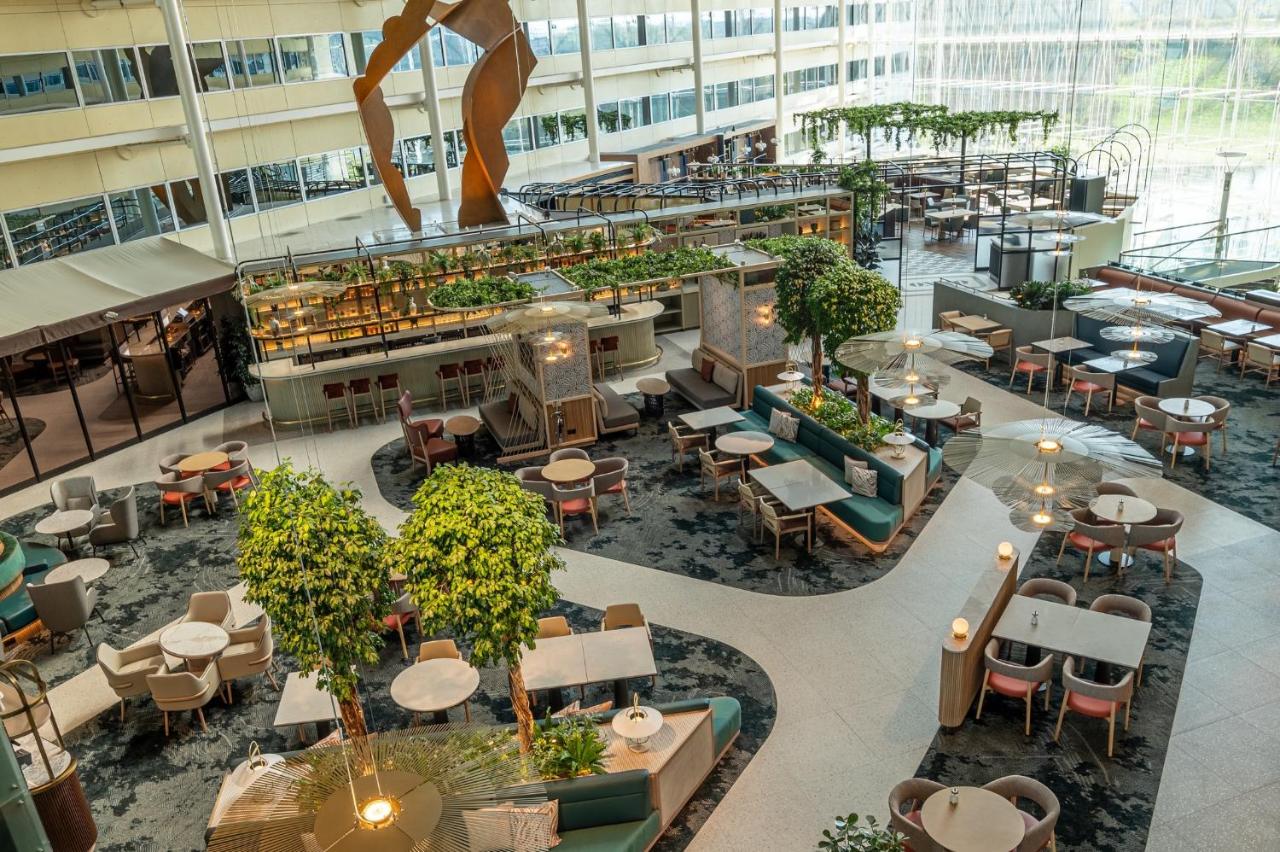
(606, 812)
(17, 611)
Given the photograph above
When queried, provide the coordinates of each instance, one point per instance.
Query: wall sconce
(1004, 552)
(764, 315)
(960, 628)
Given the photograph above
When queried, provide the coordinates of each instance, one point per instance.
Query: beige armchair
(1091, 537)
(119, 524)
(439, 649)
(1088, 382)
(905, 801)
(1149, 416)
(175, 490)
(780, 525)
(1000, 340)
(177, 691)
(64, 607)
(1014, 681)
(717, 469)
(618, 616)
(685, 441)
(1048, 587)
(251, 652)
(1260, 359)
(611, 478)
(1032, 363)
(1188, 433)
(750, 496)
(1095, 700)
(1217, 347)
(232, 481)
(1218, 419)
(1040, 832)
(126, 671)
(1160, 534)
(568, 453)
(1116, 488)
(403, 611)
(210, 608)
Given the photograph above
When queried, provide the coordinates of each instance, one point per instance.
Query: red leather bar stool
(337, 391)
(451, 374)
(472, 372)
(387, 383)
(357, 388)
(611, 355)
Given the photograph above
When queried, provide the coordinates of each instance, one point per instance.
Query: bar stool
(387, 382)
(593, 353)
(473, 369)
(337, 391)
(361, 387)
(610, 354)
(451, 373)
(494, 380)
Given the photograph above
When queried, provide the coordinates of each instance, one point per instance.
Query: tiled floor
(856, 672)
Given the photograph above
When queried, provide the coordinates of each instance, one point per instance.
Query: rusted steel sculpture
(490, 97)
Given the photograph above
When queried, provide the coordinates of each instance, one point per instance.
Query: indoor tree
(311, 557)
(477, 554)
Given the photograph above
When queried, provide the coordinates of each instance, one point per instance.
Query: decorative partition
(962, 663)
(739, 319)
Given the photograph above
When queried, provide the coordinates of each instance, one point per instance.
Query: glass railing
(1248, 259)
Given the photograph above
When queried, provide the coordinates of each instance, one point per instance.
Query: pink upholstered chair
(1095, 700)
(905, 801)
(1039, 832)
(1014, 681)
(1089, 536)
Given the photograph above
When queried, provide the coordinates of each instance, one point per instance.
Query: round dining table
(1125, 510)
(979, 821)
(931, 413)
(197, 642)
(1185, 408)
(744, 445)
(88, 570)
(569, 471)
(200, 462)
(433, 686)
(66, 522)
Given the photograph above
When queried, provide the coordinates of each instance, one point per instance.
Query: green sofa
(876, 519)
(16, 610)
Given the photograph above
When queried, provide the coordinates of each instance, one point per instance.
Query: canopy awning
(57, 298)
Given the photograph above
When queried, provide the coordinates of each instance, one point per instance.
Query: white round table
(68, 523)
(931, 414)
(194, 641)
(1124, 510)
(1185, 408)
(88, 570)
(745, 445)
(433, 686)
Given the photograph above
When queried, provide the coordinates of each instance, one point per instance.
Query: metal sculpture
(490, 98)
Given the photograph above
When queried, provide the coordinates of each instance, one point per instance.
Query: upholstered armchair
(568, 453)
(1047, 587)
(1116, 488)
(553, 626)
(1125, 607)
(250, 652)
(1160, 534)
(619, 616)
(209, 607)
(1014, 681)
(1095, 700)
(1088, 382)
(970, 416)
(575, 500)
(231, 481)
(1031, 363)
(905, 801)
(1039, 832)
(1149, 416)
(403, 611)
(531, 479)
(1188, 433)
(177, 490)
(1218, 419)
(1091, 537)
(177, 691)
(780, 525)
(685, 441)
(118, 524)
(126, 670)
(611, 478)
(64, 607)
(74, 492)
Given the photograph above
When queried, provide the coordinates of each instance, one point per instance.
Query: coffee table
(87, 569)
(655, 391)
(937, 410)
(197, 642)
(744, 445)
(433, 686)
(200, 462)
(1125, 510)
(68, 522)
(1184, 407)
(980, 821)
(567, 471)
(463, 428)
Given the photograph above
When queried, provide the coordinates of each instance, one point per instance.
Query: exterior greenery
(1044, 295)
(841, 416)
(850, 836)
(237, 347)
(311, 557)
(646, 266)
(477, 292)
(476, 551)
(569, 747)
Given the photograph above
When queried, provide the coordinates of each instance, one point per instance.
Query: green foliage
(569, 747)
(575, 243)
(905, 120)
(476, 550)
(841, 416)
(597, 240)
(849, 836)
(639, 233)
(332, 273)
(1045, 295)
(475, 292)
(353, 274)
(237, 350)
(551, 127)
(403, 270)
(311, 557)
(438, 261)
(646, 266)
(772, 212)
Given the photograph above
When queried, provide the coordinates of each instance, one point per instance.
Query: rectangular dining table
(1074, 630)
(1271, 340)
(1238, 328)
(583, 658)
(973, 323)
(800, 487)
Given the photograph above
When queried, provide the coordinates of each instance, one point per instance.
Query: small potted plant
(850, 836)
(569, 748)
(598, 241)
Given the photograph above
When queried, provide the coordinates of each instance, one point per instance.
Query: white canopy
(57, 298)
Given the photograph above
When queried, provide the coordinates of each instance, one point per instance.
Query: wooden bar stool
(597, 365)
(494, 379)
(610, 355)
(472, 371)
(451, 373)
(337, 391)
(387, 382)
(361, 387)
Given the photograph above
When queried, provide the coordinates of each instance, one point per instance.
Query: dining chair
(176, 691)
(725, 467)
(64, 607)
(1095, 700)
(118, 524)
(1124, 606)
(428, 451)
(235, 450)
(336, 392)
(1188, 433)
(553, 626)
(780, 525)
(1047, 587)
(945, 317)
(403, 611)
(1040, 832)
(1159, 535)
(126, 670)
(623, 615)
(1149, 417)
(1217, 421)
(575, 500)
(209, 608)
(750, 495)
(251, 651)
(439, 649)
(169, 464)
(568, 453)
(74, 492)
(1032, 363)
(1088, 382)
(531, 479)
(1013, 680)
(1260, 359)
(176, 490)
(905, 801)
(231, 481)
(1091, 537)
(473, 371)
(611, 354)
(970, 416)
(1116, 488)
(611, 478)
(685, 440)
(1000, 340)
(1217, 347)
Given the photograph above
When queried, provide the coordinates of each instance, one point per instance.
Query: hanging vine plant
(905, 121)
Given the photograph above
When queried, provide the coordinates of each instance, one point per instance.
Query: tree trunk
(864, 397)
(353, 722)
(818, 384)
(520, 703)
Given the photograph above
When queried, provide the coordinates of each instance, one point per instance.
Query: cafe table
(1238, 328)
(582, 658)
(979, 821)
(200, 462)
(1121, 509)
(1188, 408)
(433, 686)
(931, 413)
(800, 487)
(744, 445)
(66, 522)
(1083, 633)
(710, 418)
(568, 471)
(973, 323)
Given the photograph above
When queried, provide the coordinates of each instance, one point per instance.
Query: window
(901, 62)
(419, 157)
(761, 21)
(655, 29)
(763, 88)
(602, 34)
(517, 137)
(573, 124)
(237, 197)
(55, 230)
(682, 103)
(708, 97)
(857, 69)
(5, 261)
(564, 36)
(107, 76)
(276, 184)
(35, 82)
(611, 121)
(141, 212)
(879, 66)
(679, 27)
(626, 31)
(660, 108)
(880, 13)
(187, 198)
(316, 57)
(633, 112)
(455, 148)
(726, 95)
(157, 67)
(857, 14)
(546, 130)
(827, 17)
(539, 33)
(362, 47)
(458, 50)
(210, 66)
(331, 174)
(253, 62)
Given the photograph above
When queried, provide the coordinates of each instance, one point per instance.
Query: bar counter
(294, 392)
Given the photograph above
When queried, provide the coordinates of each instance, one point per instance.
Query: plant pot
(254, 391)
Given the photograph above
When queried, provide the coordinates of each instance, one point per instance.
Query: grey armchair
(1096, 700)
(250, 652)
(1014, 681)
(905, 801)
(1149, 416)
(126, 671)
(119, 524)
(611, 478)
(531, 479)
(74, 492)
(209, 607)
(1091, 537)
(568, 453)
(169, 464)
(1160, 535)
(1218, 419)
(64, 607)
(1036, 587)
(1115, 488)
(1040, 832)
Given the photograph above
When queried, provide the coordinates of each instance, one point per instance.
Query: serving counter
(294, 392)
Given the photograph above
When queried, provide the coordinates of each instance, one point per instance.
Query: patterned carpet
(1107, 803)
(1242, 479)
(676, 526)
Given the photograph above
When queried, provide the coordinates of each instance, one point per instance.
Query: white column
(431, 100)
(197, 137)
(842, 67)
(589, 86)
(699, 108)
(779, 129)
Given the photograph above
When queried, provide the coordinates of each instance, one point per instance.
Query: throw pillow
(725, 378)
(507, 828)
(707, 367)
(576, 709)
(861, 479)
(783, 425)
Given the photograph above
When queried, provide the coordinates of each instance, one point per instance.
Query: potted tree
(237, 348)
(311, 557)
(476, 552)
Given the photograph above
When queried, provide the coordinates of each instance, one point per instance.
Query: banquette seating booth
(1171, 374)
